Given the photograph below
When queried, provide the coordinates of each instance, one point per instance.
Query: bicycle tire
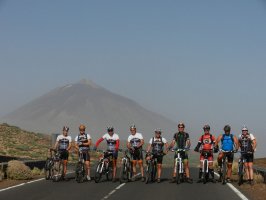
(148, 173)
(178, 175)
(123, 178)
(48, 168)
(98, 173)
(154, 171)
(240, 173)
(109, 172)
(205, 173)
(56, 171)
(224, 166)
(80, 172)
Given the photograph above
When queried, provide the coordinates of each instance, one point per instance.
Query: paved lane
(69, 190)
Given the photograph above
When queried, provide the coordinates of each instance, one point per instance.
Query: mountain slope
(85, 102)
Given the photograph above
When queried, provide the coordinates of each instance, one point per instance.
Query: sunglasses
(180, 126)
(81, 129)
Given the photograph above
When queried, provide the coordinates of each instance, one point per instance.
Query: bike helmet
(65, 128)
(110, 129)
(181, 124)
(133, 127)
(82, 127)
(158, 130)
(244, 128)
(206, 127)
(227, 128)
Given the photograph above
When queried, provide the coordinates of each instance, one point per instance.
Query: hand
(215, 149)
(80, 143)
(196, 149)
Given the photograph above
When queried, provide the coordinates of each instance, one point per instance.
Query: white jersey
(63, 142)
(111, 141)
(83, 138)
(135, 140)
(157, 144)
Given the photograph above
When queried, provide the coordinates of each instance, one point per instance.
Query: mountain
(86, 102)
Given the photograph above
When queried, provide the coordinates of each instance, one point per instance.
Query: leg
(247, 170)
(140, 163)
(134, 163)
(114, 168)
(87, 164)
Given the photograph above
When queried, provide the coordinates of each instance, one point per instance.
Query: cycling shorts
(64, 154)
(230, 157)
(159, 158)
(210, 156)
(86, 155)
(248, 157)
(136, 154)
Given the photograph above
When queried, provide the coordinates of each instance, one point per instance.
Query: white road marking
(22, 184)
(240, 194)
(117, 188)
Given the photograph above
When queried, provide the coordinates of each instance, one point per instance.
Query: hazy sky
(195, 61)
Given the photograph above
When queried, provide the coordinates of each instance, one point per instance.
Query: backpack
(153, 140)
(232, 138)
(210, 138)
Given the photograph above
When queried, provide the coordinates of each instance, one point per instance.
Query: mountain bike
(126, 168)
(151, 168)
(58, 167)
(241, 167)
(205, 166)
(179, 165)
(104, 166)
(80, 169)
(48, 166)
(223, 171)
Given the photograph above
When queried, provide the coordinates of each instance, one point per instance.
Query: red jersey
(207, 141)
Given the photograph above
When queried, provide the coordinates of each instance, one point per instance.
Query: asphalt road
(69, 190)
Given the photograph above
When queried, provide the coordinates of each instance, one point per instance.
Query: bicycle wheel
(240, 173)
(205, 173)
(224, 166)
(47, 168)
(80, 172)
(178, 175)
(56, 171)
(123, 178)
(148, 173)
(98, 172)
(154, 171)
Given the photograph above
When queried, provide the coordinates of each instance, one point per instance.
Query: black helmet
(110, 129)
(227, 128)
(65, 128)
(206, 127)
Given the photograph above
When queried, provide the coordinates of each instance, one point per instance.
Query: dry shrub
(2, 175)
(36, 171)
(258, 178)
(17, 170)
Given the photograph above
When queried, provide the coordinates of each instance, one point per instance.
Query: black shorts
(136, 154)
(183, 155)
(159, 158)
(230, 157)
(248, 157)
(64, 154)
(86, 155)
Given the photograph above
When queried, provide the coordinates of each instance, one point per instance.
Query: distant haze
(87, 103)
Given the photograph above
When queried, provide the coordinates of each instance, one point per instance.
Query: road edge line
(236, 191)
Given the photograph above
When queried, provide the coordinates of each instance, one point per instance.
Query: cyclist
(63, 145)
(229, 142)
(157, 144)
(182, 141)
(83, 142)
(248, 143)
(113, 141)
(205, 144)
(134, 144)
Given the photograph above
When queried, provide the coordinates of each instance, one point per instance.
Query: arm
(141, 143)
(218, 140)
(188, 143)
(172, 144)
(254, 144)
(236, 142)
(166, 147)
(128, 145)
(117, 145)
(148, 148)
(98, 142)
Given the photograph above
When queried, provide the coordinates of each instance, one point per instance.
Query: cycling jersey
(83, 138)
(63, 142)
(112, 141)
(227, 143)
(181, 138)
(207, 141)
(157, 144)
(135, 140)
(245, 142)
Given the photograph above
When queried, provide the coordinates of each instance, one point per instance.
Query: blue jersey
(227, 142)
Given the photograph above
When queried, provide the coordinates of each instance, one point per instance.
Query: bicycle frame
(205, 165)
(179, 165)
(224, 165)
(241, 166)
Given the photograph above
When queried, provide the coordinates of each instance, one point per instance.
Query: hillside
(85, 102)
(16, 142)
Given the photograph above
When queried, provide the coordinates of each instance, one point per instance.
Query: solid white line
(240, 194)
(120, 186)
(113, 191)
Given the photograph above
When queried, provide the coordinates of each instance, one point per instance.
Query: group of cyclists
(158, 147)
